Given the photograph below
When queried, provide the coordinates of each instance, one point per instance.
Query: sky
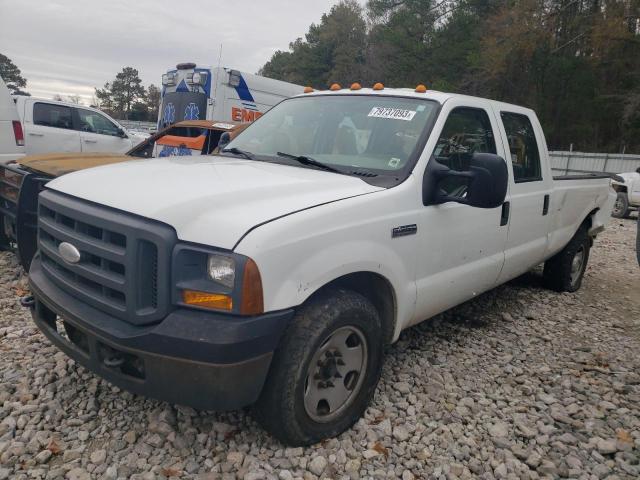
(68, 47)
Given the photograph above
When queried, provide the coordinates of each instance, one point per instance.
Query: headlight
(204, 278)
(222, 270)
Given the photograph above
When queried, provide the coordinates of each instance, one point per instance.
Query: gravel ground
(519, 383)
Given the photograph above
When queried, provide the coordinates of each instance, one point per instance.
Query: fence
(140, 126)
(580, 162)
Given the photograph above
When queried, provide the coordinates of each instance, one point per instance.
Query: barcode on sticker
(393, 113)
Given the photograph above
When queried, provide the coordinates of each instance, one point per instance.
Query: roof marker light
(334, 87)
(421, 89)
(308, 89)
(356, 86)
(378, 86)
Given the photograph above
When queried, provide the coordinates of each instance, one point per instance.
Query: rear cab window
(51, 115)
(523, 147)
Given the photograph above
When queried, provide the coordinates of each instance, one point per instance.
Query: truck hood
(209, 200)
(56, 164)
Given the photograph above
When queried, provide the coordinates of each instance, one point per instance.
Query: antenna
(220, 56)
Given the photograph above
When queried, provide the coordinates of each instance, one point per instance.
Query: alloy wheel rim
(335, 374)
(617, 207)
(576, 265)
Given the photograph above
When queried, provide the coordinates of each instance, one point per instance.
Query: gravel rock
(317, 465)
(519, 383)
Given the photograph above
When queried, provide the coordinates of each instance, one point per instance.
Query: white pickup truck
(627, 187)
(276, 273)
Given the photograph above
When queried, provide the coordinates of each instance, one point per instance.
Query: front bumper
(200, 359)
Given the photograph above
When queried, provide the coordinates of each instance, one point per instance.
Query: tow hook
(27, 301)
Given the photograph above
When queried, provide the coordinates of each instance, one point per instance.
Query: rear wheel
(325, 369)
(564, 271)
(621, 207)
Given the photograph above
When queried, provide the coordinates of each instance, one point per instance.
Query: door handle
(36, 134)
(504, 216)
(545, 206)
(90, 141)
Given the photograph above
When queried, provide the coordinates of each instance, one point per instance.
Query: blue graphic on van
(192, 112)
(182, 87)
(168, 151)
(169, 113)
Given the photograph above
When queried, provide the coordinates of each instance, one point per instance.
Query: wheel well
(620, 188)
(378, 290)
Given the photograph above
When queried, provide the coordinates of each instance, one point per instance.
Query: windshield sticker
(394, 162)
(392, 113)
(226, 126)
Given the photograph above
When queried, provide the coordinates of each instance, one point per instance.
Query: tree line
(575, 62)
(123, 98)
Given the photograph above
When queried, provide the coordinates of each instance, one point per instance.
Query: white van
(192, 92)
(53, 127)
(11, 134)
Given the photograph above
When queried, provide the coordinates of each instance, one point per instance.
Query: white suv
(52, 126)
(11, 134)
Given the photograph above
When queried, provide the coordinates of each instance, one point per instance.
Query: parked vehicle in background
(627, 188)
(22, 181)
(11, 132)
(277, 275)
(52, 126)
(192, 92)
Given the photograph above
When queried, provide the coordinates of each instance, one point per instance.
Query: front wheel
(564, 271)
(325, 370)
(621, 207)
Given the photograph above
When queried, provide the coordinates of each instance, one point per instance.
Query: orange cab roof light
(334, 87)
(356, 86)
(308, 89)
(421, 89)
(378, 86)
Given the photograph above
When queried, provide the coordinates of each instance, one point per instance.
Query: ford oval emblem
(69, 253)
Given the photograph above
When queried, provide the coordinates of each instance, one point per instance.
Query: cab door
(99, 134)
(51, 129)
(530, 188)
(461, 248)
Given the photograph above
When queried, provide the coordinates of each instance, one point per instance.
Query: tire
(335, 325)
(564, 271)
(621, 207)
(5, 243)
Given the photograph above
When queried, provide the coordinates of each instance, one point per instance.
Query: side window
(51, 115)
(94, 122)
(466, 131)
(523, 147)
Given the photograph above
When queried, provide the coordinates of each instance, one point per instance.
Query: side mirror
(224, 140)
(486, 182)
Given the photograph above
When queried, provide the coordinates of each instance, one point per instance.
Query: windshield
(370, 133)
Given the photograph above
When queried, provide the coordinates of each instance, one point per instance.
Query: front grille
(124, 260)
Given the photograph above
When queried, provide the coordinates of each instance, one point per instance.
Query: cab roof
(440, 97)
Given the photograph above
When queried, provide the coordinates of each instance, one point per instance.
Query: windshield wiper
(309, 161)
(237, 151)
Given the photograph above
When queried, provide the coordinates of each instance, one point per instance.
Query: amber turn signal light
(216, 301)
(252, 299)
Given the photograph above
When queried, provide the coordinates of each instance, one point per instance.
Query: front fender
(299, 254)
